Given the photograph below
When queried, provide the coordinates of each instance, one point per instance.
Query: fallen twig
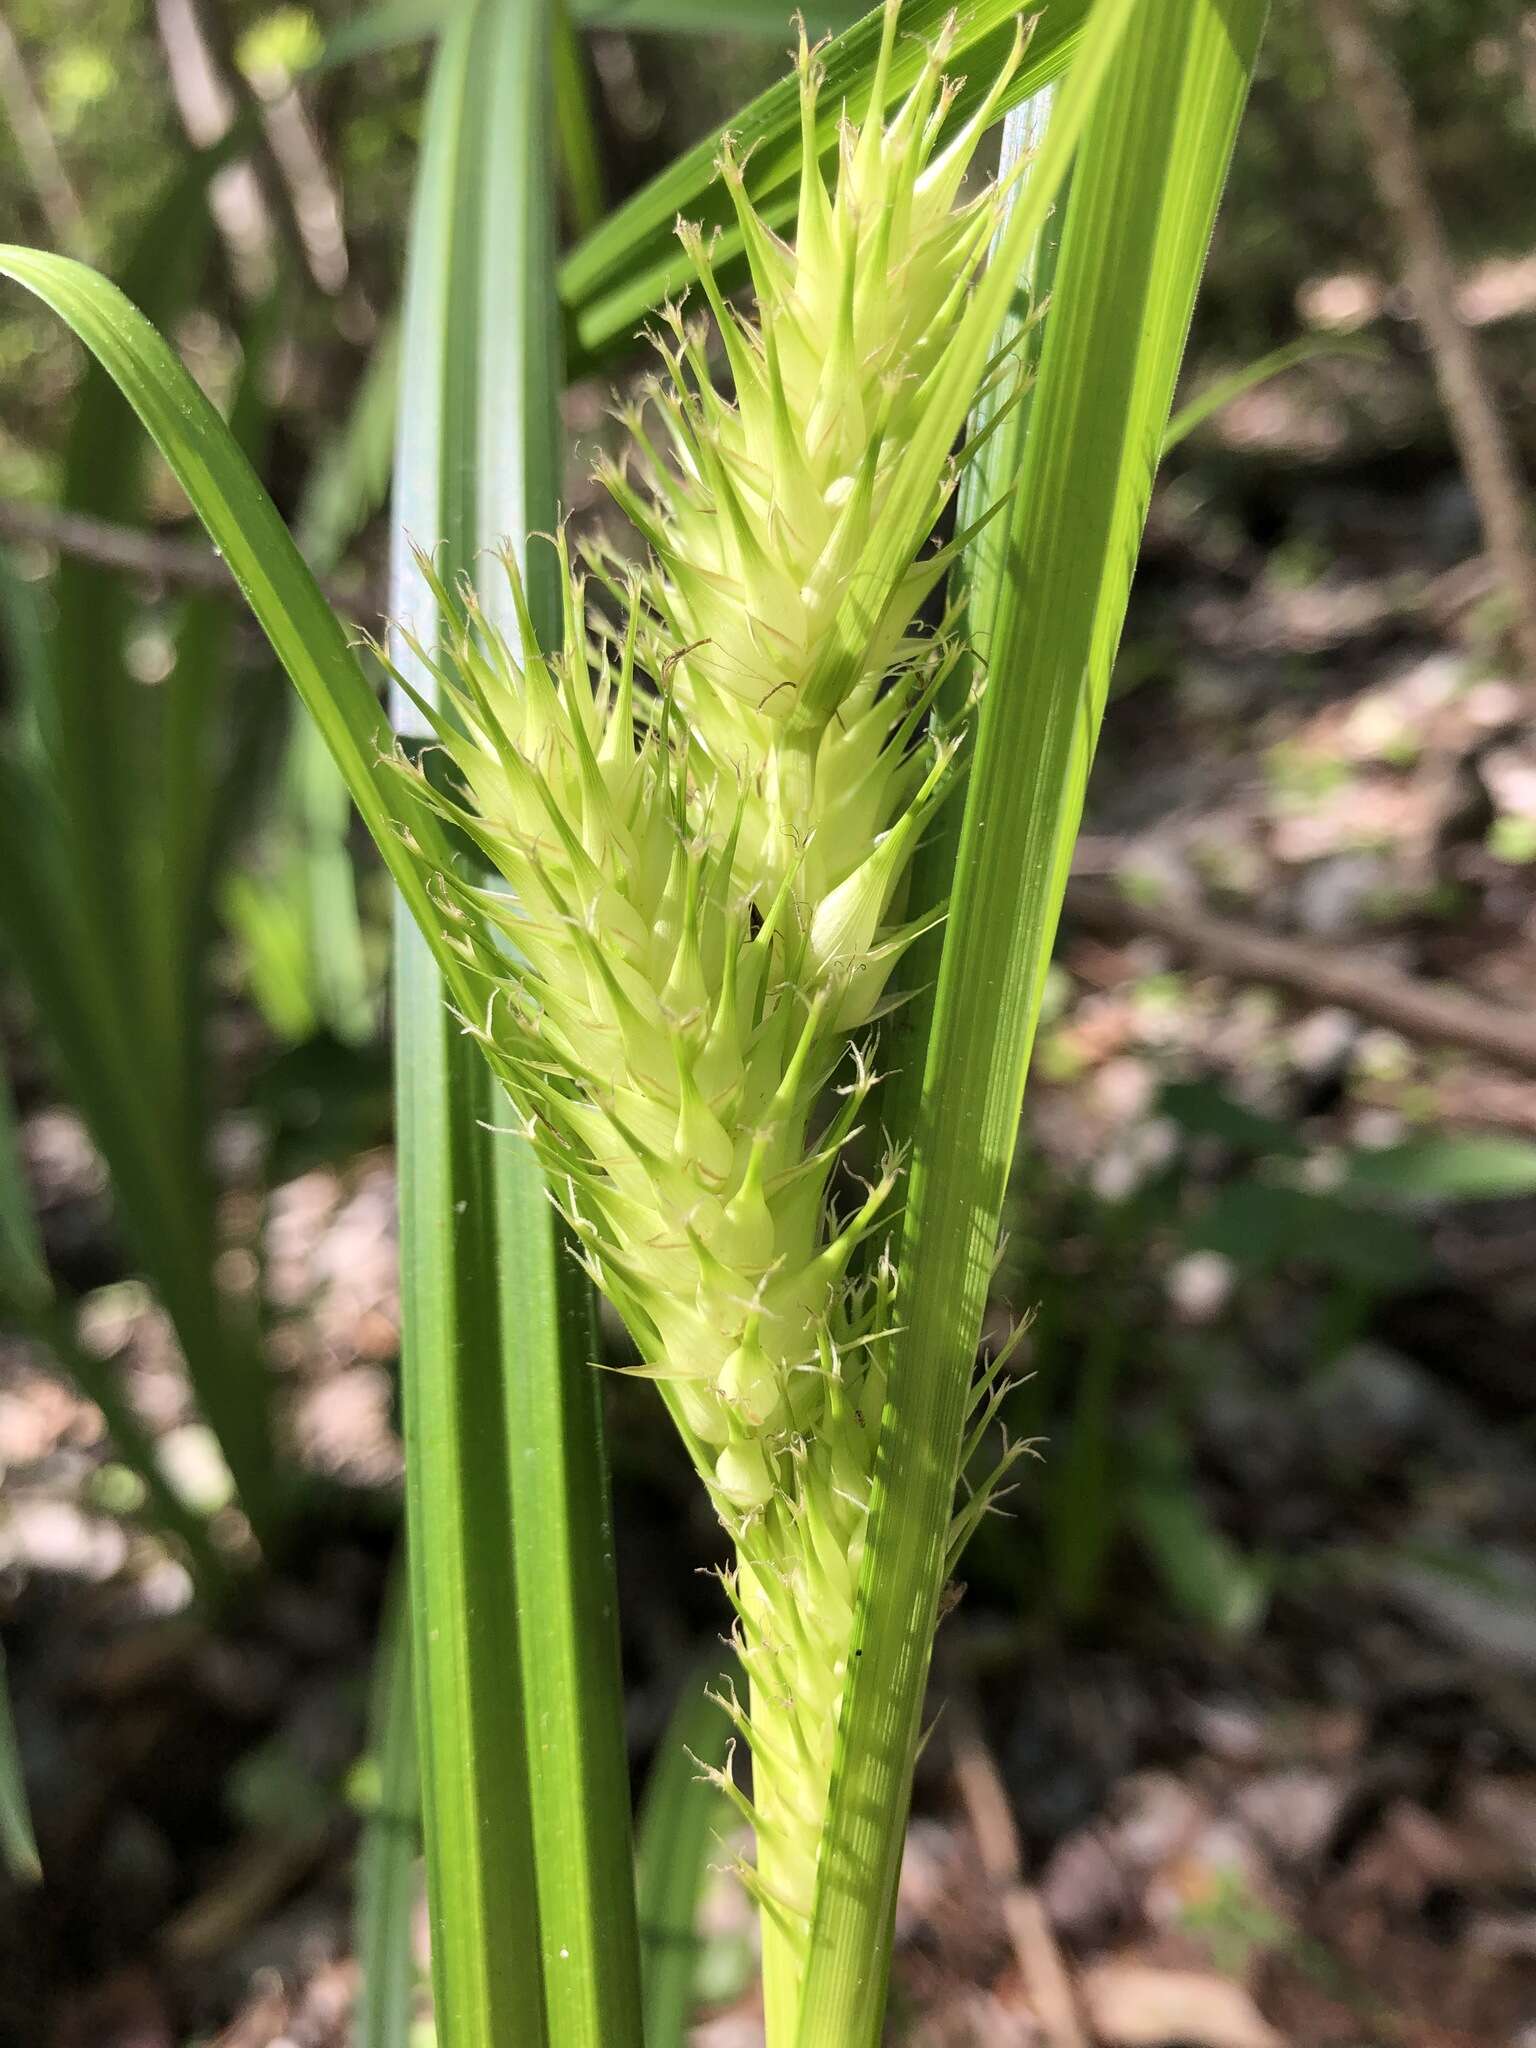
(1318, 974)
(1375, 92)
(1035, 1951)
(27, 120)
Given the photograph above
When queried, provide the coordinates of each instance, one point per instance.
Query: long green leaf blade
(681, 1819)
(387, 26)
(18, 1844)
(978, 581)
(24, 655)
(568, 1625)
(477, 465)
(476, 1800)
(567, 1588)
(390, 1848)
(1145, 188)
(580, 140)
(396, 22)
(1237, 383)
(703, 17)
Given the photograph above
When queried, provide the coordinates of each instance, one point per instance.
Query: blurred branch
(312, 192)
(1420, 1011)
(1372, 87)
(39, 153)
(286, 183)
(207, 110)
(184, 564)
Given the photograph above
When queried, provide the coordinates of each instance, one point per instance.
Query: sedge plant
(700, 820)
(701, 832)
(663, 858)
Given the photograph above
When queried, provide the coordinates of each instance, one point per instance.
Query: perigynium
(700, 824)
